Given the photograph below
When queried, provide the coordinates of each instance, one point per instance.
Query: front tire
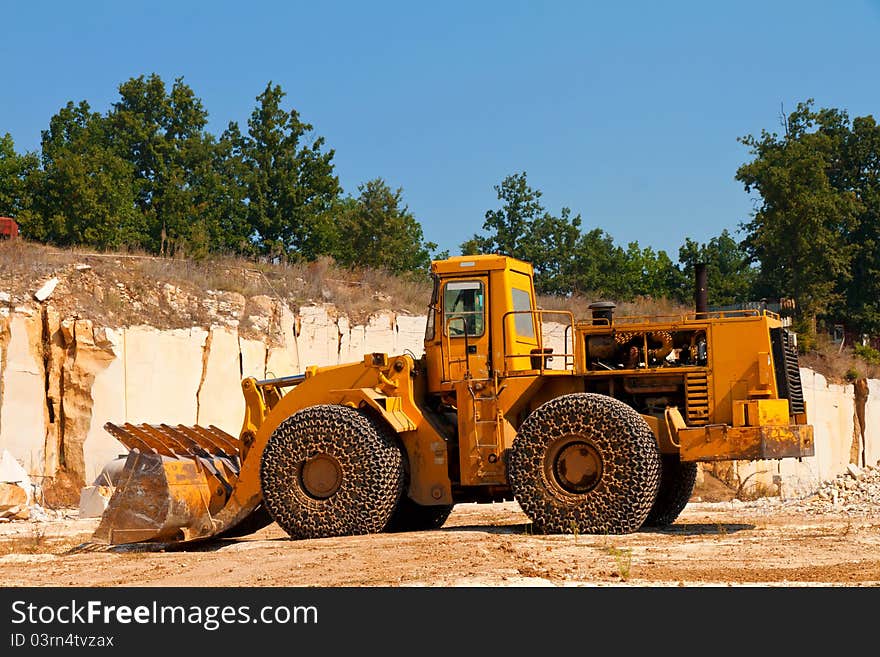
(330, 470)
(587, 463)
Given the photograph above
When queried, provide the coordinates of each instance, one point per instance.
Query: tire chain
(372, 467)
(623, 497)
(677, 481)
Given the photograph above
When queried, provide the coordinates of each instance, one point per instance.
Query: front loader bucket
(174, 483)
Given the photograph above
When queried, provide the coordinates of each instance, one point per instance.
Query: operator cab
(481, 320)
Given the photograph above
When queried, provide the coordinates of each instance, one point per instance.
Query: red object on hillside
(8, 228)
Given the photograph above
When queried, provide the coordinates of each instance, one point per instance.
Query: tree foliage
(377, 230)
(730, 277)
(14, 172)
(290, 182)
(814, 232)
(83, 195)
(148, 175)
(566, 260)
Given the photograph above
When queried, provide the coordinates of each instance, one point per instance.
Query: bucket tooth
(135, 437)
(175, 441)
(214, 442)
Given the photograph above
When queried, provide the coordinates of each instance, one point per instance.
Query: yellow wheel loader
(599, 433)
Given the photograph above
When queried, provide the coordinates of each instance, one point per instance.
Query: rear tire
(585, 463)
(677, 481)
(410, 516)
(329, 470)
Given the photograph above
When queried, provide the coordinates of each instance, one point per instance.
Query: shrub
(867, 353)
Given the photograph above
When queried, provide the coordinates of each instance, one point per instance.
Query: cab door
(523, 330)
(463, 328)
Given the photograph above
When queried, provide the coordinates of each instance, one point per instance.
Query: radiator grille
(696, 387)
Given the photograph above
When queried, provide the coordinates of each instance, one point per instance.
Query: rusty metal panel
(723, 443)
(158, 498)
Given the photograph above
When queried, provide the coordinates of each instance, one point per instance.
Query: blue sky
(626, 112)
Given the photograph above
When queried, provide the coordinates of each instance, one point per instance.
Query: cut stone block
(93, 500)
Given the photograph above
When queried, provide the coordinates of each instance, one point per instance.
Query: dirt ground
(730, 543)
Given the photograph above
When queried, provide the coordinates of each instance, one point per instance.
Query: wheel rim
(321, 476)
(574, 465)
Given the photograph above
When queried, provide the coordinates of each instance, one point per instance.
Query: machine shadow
(684, 529)
(513, 529)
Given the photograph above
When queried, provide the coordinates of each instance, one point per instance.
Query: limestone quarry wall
(62, 379)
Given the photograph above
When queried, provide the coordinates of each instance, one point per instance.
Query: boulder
(13, 502)
(93, 500)
(11, 472)
(46, 290)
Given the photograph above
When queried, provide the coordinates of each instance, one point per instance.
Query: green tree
(508, 225)
(860, 172)
(656, 275)
(84, 193)
(378, 230)
(290, 181)
(225, 192)
(15, 170)
(596, 264)
(798, 234)
(522, 228)
(549, 245)
(161, 133)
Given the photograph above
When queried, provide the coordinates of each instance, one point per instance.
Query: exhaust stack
(603, 312)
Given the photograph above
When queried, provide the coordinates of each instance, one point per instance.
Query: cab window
(463, 308)
(524, 322)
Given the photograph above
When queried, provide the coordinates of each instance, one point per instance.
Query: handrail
(445, 336)
(686, 317)
(538, 315)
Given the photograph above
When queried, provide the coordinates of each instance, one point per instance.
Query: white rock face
(284, 359)
(23, 412)
(830, 408)
(219, 398)
(872, 423)
(163, 370)
(108, 405)
(12, 473)
(409, 334)
(557, 339)
(318, 337)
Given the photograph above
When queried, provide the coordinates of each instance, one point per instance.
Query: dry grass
(838, 363)
(642, 306)
(32, 539)
(105, 291)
